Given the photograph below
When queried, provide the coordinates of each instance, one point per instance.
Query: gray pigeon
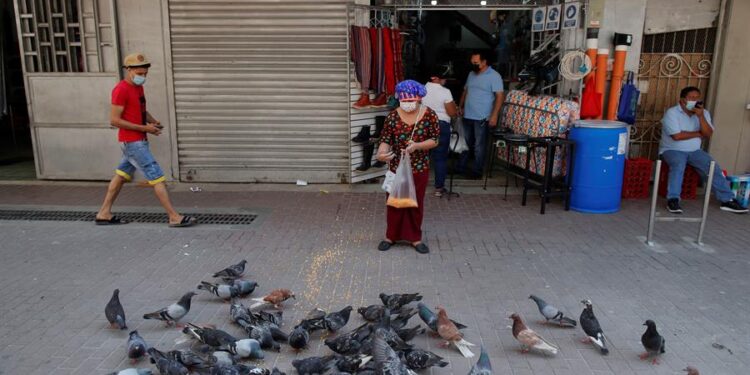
(299, 337)
(419, 359)
(174, 312)
(186, 357)
(234, 271)
(133, 371)
(483, 366)
(245, 287)
(430, 318)
(136, 347)
(407, 334)
(313, 365)
(222, 291)
(246, 348)
(215, 338)
(114, 312)
(652, 341)
(387, 361)
(552, 314)
(221, 358)
(395, 301)
(352, 363)
(337, 320)
(166, 365)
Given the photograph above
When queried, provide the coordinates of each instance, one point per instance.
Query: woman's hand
(385, 156)
(411, 147)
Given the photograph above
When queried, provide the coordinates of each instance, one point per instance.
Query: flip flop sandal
(187, 221)
(439, 192)
(114, 220)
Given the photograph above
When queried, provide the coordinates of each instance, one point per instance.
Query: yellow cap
(135, 60)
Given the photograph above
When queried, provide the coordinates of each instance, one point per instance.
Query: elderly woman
(412, 128)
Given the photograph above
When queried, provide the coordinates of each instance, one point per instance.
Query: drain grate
(134, 217)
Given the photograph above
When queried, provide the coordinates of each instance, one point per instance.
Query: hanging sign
(538, 16)
(571, 15)
(553, 17)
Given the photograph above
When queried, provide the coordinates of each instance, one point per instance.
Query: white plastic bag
(388, 181)
(458, 141)
(403, 193)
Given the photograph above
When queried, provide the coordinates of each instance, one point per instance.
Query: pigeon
(418, 359)
(350, 342)
(246, 348)
(590, 325)
(652, 341)
(408, 334)
(275, 298)
(114, 312)
(402, 318)
(387, 362)
(391, 337)
(222, 291)
(133, 371)
(234, 271)
(240, 315)
(236, 369)
(221, 358)
(299, 337)
(552, 314)
(337, 320)
(136, 347)
(245, 287)
(313, 365)
(215, 338)
(483, 366)
(395, 301)
(276, 371)
(174, 312)
(274, 318)
(352, 363)
(372, 313)
(166, 365)
(263, 334)
(430, 318)
(691, 370)
(530, 339)
(450, 333)
(186, 357)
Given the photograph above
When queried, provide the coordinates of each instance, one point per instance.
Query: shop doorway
(16, 152)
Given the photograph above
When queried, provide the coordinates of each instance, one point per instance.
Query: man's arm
(116, 120)
(450, 109)
(682, 136)
(499, 99)
(151, 119)
(462, 102)
(706, 130)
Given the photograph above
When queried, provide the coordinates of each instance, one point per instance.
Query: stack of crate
(637, 178)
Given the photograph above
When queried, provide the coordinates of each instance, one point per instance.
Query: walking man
(480, 104)
(128, 113)
(684, 127)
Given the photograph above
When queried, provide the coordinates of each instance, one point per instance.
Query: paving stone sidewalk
(487, 256)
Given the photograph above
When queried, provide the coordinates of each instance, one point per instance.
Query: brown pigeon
(530, 339)
(275, 298)
(450, 333)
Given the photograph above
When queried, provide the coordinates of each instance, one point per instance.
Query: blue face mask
(139, 80)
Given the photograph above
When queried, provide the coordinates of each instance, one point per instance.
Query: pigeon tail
(600, 343)
(120, 321)
(545, 347)
(463, 347)
(258, 302)
(567, 322)
(154, 315)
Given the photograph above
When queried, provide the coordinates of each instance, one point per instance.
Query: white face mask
(408, 106)
(690, 104)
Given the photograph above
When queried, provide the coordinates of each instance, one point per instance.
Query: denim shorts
(136, 155)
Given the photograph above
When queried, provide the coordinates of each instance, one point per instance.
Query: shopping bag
(628, 101)
(458, 141)
(403, 194)
(388, 181)
(591, 101)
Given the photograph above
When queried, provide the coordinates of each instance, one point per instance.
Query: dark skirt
(405, 224)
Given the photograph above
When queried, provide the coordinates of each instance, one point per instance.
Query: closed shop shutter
(261, 90)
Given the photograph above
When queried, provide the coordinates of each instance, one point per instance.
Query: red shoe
(380, 101)
(363, 102)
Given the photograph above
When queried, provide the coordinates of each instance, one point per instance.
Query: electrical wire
(575, 65)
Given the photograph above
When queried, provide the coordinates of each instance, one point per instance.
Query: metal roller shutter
(261, 90)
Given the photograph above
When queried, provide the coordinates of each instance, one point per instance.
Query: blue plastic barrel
(598, 165)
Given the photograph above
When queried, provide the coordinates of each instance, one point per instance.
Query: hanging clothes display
(398, 62)
(390, 78)
(362, 57)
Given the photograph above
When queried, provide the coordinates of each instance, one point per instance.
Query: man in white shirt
(684, 127)
(441, 101)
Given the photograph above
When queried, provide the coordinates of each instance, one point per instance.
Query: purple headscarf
(410, 89)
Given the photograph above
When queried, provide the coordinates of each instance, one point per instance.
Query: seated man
(684, 127)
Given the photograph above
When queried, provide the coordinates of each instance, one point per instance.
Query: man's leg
(468, 127)
(480, 146)
(677, 160)
(440, 154)
(113, 190)
(701, 161)
(160, 188)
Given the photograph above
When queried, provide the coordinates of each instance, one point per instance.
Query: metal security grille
(135, 217)
(261, 90)
(66, 35)
(669, 62)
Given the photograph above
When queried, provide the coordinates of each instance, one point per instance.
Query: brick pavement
(487, 256)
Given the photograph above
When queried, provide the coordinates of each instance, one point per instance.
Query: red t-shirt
(132, 98)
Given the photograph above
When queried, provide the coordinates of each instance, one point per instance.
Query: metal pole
(652, 213)
(706, 198)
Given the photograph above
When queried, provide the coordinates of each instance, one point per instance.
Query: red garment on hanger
(398, 61)
(591, 101)
(390, 77)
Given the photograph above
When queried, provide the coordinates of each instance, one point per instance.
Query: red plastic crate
(637, 178)
(689, 182)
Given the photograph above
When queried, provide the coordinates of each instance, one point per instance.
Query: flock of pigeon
(380, 346)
